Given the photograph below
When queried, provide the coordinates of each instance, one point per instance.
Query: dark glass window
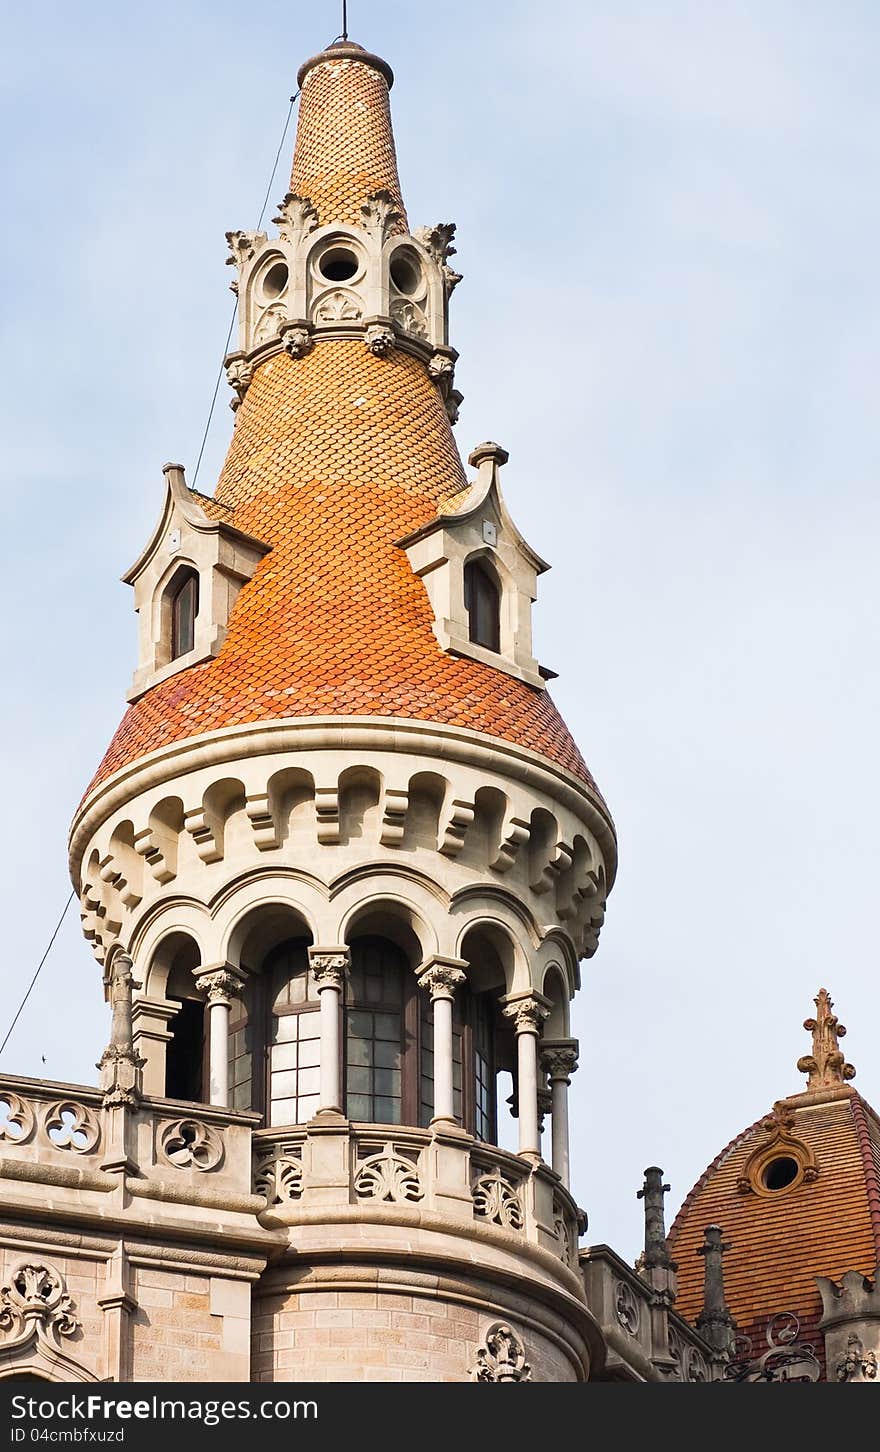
(184, 609)
(482, 601)
(484, 1074)
(374, 1032)
(184, 1059)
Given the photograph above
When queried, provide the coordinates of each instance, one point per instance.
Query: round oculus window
(780, 1173)
(406, 274)
(338, 264)
(275, 280)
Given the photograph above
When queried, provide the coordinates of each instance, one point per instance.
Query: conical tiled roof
(334, 458)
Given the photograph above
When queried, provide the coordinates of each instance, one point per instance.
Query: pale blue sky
(668, 225)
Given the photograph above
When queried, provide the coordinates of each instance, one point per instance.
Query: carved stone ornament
(188, 1144)
(626, 1308)
(410, 317)
(442, 979)
(338, 307)
(296, 337)
(497, 1201)
(35, 1299)
(438, 241)
(17, 1118)
(527, 1014)
(239, 375)
(243, 246)
(329, 969)
(279, 1176)
(379, 339)
(559, 1061)
(220, 984)
(381, 213)
(388, 1176)
(441, 368)
(858, 1364)
(781, 1143)
(502, 1356)
(296, 217)
(69, 1125)
(826, 1065)
(453, 403)
(566, 1237)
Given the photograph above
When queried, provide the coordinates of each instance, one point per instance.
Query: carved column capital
(442, 976)
(220, 982)
(559, 1059)
(528, 1012)
(329, 967)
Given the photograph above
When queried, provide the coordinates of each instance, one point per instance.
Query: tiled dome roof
(825, 1222)
(334, 458)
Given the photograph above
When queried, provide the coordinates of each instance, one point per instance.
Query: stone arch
(291, 798)
(554, 987)
(224, 813)
(126, 863)
(427, 793)
(360, 793)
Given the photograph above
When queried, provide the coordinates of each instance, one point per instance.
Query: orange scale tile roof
(333, 458)
(780, 1242)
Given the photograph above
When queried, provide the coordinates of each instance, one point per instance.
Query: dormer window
(482, 601)
(184, 609)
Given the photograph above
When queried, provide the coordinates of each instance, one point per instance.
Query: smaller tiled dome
(797, 1196)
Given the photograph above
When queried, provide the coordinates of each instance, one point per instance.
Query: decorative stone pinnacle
(329, 966)
(653, 1192)
(442, 977)
(559, 1059)
(120, 1066)
(528, 1014)
(826, 1065)
(715, 1323)
(219, 984)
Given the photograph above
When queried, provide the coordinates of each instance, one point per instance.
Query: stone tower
(339, 863)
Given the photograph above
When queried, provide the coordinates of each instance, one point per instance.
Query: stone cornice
(322, 733)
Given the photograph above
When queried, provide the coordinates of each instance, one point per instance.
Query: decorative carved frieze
(188, 1144)
(69, 1125)
(497, 1201)
(389, 1175)
(338, 306)
(502, 1356)
(17, 1118)
(627, 1308)
(35, 1298)
(279, 1176)
(410, 317)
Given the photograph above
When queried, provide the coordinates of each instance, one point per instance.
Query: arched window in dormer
(482, 601)
(184, 609)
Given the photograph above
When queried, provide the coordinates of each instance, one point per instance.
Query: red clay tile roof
(333, 458)
(781, 1242)
(344, 141)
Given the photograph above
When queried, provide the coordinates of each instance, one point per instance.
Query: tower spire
(826, 1065)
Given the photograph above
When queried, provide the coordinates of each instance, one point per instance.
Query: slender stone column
(329, 967)
(440, 977)
(559, 1061)
(220, 983)
(528, 1013)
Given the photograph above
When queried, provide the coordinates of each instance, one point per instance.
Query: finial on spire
(826, 1065)
(653, 1192)
(715, 1323)
(345, 19)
